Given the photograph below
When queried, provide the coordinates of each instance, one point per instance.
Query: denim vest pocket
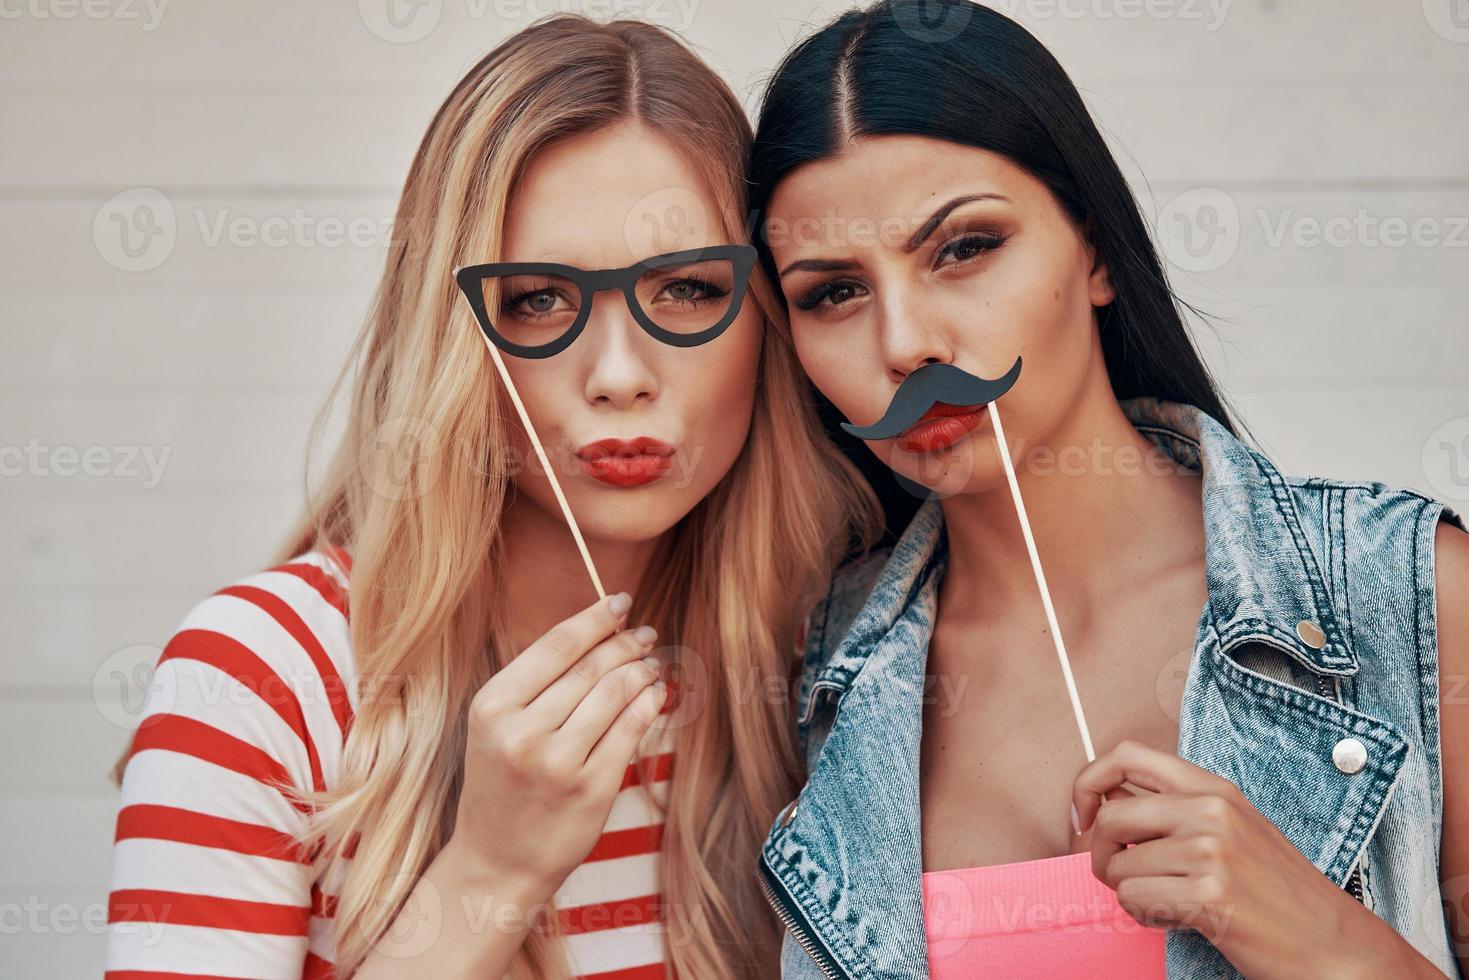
(1286, 742)
(1289, 749)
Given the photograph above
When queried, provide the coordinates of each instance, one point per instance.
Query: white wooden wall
(1307, 159)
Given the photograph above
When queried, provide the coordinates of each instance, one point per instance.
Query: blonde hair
(734, 577)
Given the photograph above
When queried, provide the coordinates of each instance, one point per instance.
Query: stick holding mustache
(946, 384)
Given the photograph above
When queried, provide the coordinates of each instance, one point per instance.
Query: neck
(1104, 504)
(545, 579)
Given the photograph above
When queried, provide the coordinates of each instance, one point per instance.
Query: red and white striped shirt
(258, 687)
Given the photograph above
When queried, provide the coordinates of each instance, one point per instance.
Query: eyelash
(984, 242)
(818, 295)
(711, 291)
(510, 304)
(987, 242)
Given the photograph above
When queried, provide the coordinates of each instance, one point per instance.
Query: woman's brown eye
(829, 293)
(968, 246)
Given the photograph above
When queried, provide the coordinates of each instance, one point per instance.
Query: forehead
(608, 198)
(895, 179)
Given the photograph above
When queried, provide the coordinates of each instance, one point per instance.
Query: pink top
(1044, 918)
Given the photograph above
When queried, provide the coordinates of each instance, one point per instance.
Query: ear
(1099, 280)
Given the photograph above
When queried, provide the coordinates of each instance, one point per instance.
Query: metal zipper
(796, 924)
(1326, 687)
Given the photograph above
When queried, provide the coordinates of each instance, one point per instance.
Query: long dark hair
(956, 71)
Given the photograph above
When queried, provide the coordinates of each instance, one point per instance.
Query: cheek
(1053, 319)
(542, 384)
(843, 365)
(1031, 304)
(718, 381)
(1048, 284)
(537, 388)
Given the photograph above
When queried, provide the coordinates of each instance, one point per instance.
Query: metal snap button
(790, 813)
(1349, 755)
(1311, 634)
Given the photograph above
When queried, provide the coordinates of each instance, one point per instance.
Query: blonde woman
(390, 753)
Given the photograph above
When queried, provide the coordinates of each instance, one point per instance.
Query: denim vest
(1320, 627)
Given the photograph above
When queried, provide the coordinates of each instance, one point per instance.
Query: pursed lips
(940, 427)
(626, 462)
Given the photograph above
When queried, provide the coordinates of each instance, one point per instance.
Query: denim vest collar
(859, 887)
(1263, 578)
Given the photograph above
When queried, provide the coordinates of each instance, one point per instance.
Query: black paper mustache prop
(930, 385)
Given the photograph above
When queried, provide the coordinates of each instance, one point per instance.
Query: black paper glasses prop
(536, 309)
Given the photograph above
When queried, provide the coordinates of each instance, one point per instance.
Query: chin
(628, 516)
(952, 471)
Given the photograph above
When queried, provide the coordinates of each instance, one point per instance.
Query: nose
(908, 339)
(620, 374)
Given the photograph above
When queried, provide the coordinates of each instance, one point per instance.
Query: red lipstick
(626, 462)
(940, 427)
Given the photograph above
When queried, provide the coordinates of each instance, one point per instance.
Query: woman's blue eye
(693, 291)
(533, 303)
(539, 302)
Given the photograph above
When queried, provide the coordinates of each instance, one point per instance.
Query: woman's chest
(1000, 747)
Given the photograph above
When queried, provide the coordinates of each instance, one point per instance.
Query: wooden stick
(1040, 581)
(535, 441)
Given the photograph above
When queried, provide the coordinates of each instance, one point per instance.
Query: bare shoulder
(1452, 578)
(1451, 563)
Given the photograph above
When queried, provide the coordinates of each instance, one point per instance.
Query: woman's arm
(1452, 549)
(206, 880)
(1224, 869)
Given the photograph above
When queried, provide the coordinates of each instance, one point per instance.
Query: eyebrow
(935, 219)
(924, 230)
(817, 265)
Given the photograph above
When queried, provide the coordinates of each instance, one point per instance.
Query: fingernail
(620, 604)
(645, 635)
(1075, 821)
(653, 662)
